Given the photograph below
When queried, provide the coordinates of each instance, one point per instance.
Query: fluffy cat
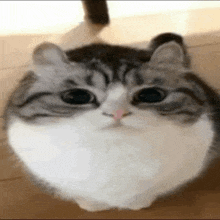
(114, 127)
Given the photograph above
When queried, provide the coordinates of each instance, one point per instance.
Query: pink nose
(118, 114)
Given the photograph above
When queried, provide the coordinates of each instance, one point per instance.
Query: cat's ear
(163, 38)
(168, 53)
(49, 54)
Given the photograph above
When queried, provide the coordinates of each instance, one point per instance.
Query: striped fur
(109, 65)
(179, 132)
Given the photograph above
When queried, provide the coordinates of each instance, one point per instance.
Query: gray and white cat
(114, 127)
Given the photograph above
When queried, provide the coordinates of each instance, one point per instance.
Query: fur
(123, 147)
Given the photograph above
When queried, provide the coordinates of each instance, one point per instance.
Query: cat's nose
(116, 104)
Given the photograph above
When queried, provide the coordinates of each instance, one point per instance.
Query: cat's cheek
(48, 156)
(34, 149)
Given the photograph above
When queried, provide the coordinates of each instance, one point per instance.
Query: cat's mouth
(116, 125)
(113, 125)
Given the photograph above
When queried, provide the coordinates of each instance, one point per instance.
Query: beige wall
(43, 17)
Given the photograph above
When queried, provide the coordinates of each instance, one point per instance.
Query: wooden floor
(19, 198)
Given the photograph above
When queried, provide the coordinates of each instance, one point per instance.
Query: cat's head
(104, 109)
(128, 90)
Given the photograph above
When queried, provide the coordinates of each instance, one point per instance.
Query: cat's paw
(136, 207)
(92, 206)
(140, 202)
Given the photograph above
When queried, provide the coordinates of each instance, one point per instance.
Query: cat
(114, 127)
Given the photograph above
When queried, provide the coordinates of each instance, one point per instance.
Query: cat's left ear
(168, 53)
(49, 54)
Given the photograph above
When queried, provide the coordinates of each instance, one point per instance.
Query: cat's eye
(77, 97)
(150, 95)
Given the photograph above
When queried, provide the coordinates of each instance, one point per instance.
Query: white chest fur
(124, 166)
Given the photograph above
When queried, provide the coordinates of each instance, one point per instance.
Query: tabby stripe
(38, 115)
(180, 112)
(96, 67)
(89, 80)
(107, 81)
(41, 115)
(70, 82)
(29, 78)
(127, 70)
(61, 110)
(190, 93)
(213, 97)
(188, 112)
(34, 97)
(138, 79)
(42, 112)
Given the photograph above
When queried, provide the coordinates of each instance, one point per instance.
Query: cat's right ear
(49, 54)
(164, 38)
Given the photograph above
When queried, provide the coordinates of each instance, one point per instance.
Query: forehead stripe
(33, 98)
(190, 93)
(70, 82)
(106, 77)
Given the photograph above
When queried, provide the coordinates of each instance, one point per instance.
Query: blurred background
(40, 17)
(25, 24)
